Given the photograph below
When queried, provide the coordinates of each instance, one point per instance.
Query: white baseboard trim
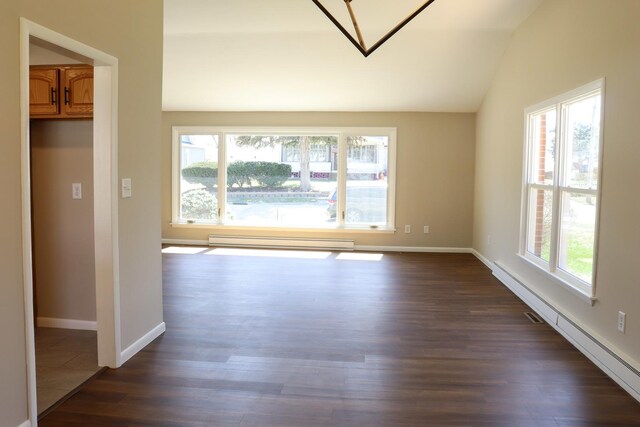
(356, 248)
(602, 354)
(141, 343)
(185, 242)
(411, 249)
(25, 424)
(50, 322)
(482, 258)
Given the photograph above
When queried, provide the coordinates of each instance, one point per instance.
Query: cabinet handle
(66, 96)
(54, 101)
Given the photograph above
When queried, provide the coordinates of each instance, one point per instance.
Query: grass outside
(578, 240)
(579, 261)
(580, 256)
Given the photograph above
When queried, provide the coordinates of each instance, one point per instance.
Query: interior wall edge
(142, 342)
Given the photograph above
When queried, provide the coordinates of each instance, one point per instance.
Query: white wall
(563, 45)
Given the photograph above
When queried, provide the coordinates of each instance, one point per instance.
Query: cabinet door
(78, 92)
(43, 91)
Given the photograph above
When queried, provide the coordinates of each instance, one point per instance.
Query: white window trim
(579, 287)
(341, 132)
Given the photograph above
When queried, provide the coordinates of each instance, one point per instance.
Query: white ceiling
(285, 55)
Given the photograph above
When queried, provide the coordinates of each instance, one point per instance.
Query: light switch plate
(126, 188)
(76, 191)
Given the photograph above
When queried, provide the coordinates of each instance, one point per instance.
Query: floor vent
(274, 242)
(533, 317)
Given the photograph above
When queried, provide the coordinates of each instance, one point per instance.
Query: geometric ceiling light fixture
(360, 43)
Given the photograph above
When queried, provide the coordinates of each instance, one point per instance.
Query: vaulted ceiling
(285, 55)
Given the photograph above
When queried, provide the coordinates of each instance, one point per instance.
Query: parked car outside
(365, 204)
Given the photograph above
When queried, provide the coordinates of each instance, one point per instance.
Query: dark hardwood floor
(408, 340)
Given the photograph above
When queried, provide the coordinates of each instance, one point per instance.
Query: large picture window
(284, 177)
(561, 185)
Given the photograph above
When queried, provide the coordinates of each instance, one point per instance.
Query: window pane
(539, 223)
(543, 134)
(366, 199)
(577, 231)
(583, 143)
(198, 177)
(281, 180)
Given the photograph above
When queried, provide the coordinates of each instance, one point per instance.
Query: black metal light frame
(360, 44)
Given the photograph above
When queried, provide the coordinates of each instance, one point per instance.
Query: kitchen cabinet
(61, 92)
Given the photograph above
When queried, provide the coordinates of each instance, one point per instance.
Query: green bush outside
(239, 174)
(270, 174)
(199, 203)
(260, 174)
(203, 173)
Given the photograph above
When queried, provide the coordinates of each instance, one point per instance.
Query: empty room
(320, 213)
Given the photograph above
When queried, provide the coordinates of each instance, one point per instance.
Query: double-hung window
(332, 178)
(561, 185)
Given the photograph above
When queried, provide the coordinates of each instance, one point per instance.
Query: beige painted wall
(13, 387)
(63, 244)
(41, 56)
(435, 169)
(132, 32)
(565, 44)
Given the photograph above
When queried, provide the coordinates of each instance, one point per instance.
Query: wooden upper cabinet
(64, 91)
(43, 91)
(78, 91)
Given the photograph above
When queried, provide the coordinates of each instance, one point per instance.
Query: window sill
(342, 230)
(567, 285)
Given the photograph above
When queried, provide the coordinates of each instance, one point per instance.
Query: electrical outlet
(126, 188)
(426, 229)
(76, 191)
(407, 229)
(621, 321)
(489, 239)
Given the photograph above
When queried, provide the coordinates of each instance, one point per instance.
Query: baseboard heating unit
(281, 243)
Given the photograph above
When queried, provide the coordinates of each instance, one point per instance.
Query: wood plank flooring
(258, 338)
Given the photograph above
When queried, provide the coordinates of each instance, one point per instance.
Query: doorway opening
(61, 141)
(103, 213)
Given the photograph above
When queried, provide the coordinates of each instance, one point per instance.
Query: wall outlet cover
(126, 188)
(76, 191)
(621, 321)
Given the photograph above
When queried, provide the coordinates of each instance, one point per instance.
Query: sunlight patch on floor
(190, 250)
(269, 253)
(351, 256)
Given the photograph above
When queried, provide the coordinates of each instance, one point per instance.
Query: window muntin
(314, 158)
(561, 186)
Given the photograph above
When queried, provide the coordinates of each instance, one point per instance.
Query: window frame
(559, 187)
(341, 132)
